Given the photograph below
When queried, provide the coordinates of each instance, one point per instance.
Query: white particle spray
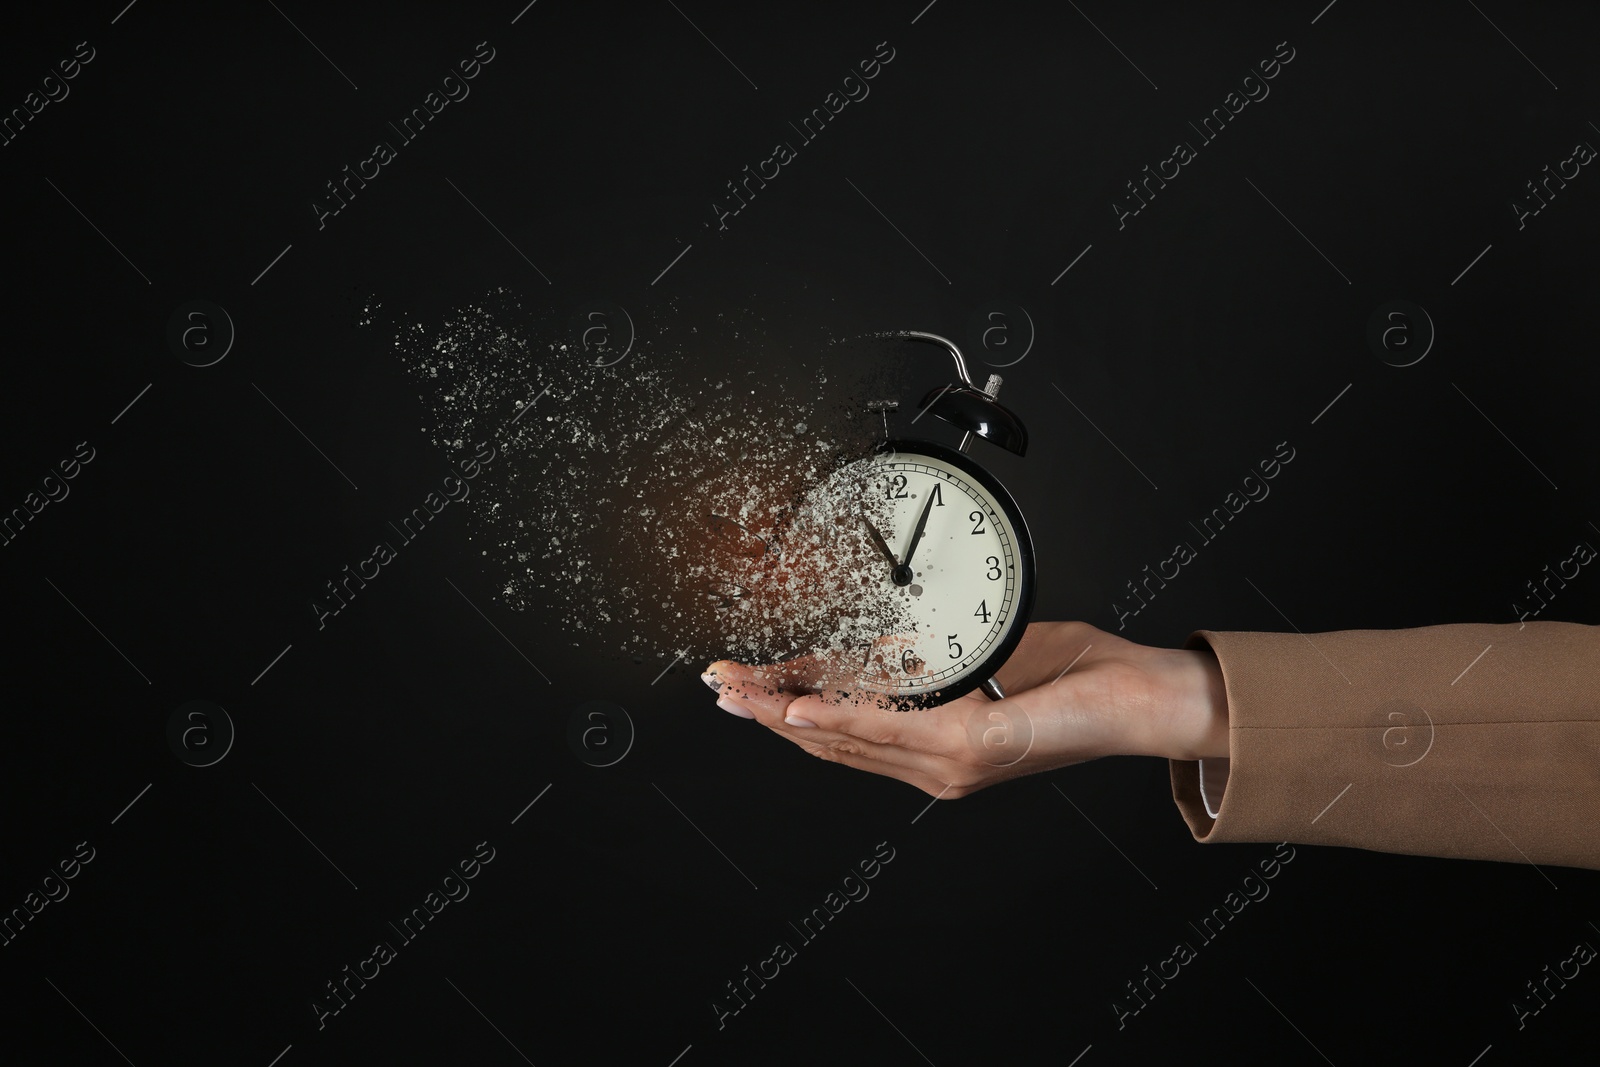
(659, 510)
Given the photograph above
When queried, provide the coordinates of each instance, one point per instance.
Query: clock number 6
(994, 568)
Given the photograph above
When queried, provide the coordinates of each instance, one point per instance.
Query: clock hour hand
(877, 539)
(922, 524)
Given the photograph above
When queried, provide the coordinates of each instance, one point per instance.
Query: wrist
(1192, 722)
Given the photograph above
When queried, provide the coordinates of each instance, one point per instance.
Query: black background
(1196, 338)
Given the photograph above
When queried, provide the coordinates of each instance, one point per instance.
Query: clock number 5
(994, 568)
(955, 647)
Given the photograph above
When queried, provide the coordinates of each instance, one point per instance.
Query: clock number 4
(983, 612)
(994, 568)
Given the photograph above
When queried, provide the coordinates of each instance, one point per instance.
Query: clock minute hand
(922, 524)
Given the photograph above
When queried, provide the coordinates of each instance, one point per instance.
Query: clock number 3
(994, 568)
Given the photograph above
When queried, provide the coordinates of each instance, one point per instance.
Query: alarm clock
(955, 550)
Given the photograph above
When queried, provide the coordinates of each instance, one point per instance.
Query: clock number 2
(994, 568)
(897, 487)
(977, 522)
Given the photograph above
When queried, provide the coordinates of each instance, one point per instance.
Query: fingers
(873, 741)
(750, 690)
(864, 732)
(802, 674)
(935, 732)
(873, 665)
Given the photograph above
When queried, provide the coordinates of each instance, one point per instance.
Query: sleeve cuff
(1364, 739)
(1213, 783)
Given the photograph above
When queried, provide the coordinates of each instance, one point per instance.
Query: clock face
(957, 570)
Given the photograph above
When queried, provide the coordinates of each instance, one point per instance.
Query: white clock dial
(960, 588)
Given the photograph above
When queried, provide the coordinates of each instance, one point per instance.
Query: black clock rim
(1027, 575)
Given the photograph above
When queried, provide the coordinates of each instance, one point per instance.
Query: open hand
(1075, 693)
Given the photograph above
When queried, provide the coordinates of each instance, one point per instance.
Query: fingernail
(712, 680)
(796, 720)
(727, 705)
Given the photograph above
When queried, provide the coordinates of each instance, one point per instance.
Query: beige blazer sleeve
(1473, 741)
